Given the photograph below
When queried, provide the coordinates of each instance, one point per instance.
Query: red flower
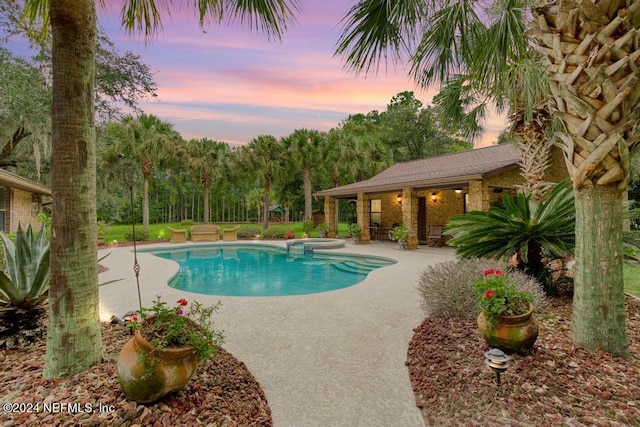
(183, 302)
(489, 293)
(134, 318)
(492, 272)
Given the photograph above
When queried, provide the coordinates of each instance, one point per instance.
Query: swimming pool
(262, 270)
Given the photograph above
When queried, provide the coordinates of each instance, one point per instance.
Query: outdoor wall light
(399, 198)
(497, 361)
(434, 197)
(458, 190)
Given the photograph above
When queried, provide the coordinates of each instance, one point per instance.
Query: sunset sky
(232, 84)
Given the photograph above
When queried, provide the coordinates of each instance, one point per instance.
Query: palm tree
(591, 56)
(145, 139)
(593, 76)
(73, 333)
(208, 159)
(264, 155)
(304, 148)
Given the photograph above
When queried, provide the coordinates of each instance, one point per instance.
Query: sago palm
(522, 229)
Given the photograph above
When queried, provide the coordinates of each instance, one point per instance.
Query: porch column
(410, 215)
(330, 206)
(363, 209)
(476, 196)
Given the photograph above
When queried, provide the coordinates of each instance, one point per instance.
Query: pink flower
(180, 312)
(183, 302)
(489, 293)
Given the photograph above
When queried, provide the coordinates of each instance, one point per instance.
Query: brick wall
(23, 211)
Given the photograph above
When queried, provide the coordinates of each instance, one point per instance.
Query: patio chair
(177, 236)
(230, 234)
(435, 235)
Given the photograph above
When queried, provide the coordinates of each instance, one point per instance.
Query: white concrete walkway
(329, 359)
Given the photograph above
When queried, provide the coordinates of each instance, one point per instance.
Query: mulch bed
(223, 392)
(559, 383)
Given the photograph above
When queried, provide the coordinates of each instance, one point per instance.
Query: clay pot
(510, 333)
(148, 374)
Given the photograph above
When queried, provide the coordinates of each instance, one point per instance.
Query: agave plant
(27, 263)
(523, 230)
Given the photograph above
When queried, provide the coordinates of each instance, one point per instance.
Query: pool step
(354, 267)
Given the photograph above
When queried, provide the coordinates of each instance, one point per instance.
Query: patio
(334, 358)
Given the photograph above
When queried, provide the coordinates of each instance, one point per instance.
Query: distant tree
(208, 159)
(25, 112)
(414, 132)
(304, 148)
(264, 155)
(146, 140)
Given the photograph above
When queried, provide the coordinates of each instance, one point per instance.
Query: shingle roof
(435, 171)
(12, 180)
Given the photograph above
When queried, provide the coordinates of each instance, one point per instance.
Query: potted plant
(167, 346)
(506, 313)
(401, 234)
(354, 231)
(323, 229)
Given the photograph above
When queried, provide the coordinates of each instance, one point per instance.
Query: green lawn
(632, 279)
(160, 231)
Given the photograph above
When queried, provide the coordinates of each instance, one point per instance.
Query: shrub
(249, 232)
(447, 287)
(307, 226)
(274, 233)
(141, 235)
(27, 261)
(187, 222)
(354, 230)
(102, 229)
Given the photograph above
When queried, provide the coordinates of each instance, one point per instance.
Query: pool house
(424, 193)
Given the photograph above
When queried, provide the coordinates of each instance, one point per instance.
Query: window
(3, 194)
(376, 212)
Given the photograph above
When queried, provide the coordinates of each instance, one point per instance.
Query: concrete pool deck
(328, 359)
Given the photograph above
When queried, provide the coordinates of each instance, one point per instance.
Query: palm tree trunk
(306, 179)
(267, 201)
(145, 202)
(598, 302)
(73, 332)
(205, 192)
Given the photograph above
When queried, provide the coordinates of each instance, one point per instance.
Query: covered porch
(424, 193)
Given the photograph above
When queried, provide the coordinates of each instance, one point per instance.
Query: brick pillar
(363, 208)
(330, 207)
(410, 215)
(477, 196)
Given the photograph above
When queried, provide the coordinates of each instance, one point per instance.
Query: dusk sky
(231, 84)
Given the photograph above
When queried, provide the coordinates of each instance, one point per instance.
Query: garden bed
(559, 383)
(223, 392)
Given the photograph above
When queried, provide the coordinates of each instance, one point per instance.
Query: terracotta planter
(510, 333)
(148, 374)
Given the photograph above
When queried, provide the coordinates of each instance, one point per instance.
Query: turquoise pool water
(259, 270)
